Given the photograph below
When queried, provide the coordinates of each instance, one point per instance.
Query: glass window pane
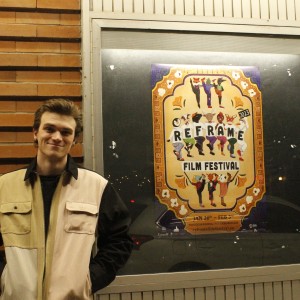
(270, 234)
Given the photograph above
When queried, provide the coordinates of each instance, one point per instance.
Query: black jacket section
(113, 243)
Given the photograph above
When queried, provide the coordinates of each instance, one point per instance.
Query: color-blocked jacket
(59, 266)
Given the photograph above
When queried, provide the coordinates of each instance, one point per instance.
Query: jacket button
(15, 207)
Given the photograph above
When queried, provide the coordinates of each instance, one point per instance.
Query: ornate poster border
(165, 80)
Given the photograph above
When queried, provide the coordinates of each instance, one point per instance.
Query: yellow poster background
(230, 103)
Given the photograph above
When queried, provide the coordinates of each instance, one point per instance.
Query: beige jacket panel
(73, 223)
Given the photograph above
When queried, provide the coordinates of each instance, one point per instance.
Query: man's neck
(48, 167)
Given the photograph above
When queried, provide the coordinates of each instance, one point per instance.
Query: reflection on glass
(270, 234)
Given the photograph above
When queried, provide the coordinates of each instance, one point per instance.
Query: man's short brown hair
(62, 107)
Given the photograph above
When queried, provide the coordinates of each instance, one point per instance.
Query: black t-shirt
(49, 184)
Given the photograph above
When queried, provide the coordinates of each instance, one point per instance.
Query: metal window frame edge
(92, 108)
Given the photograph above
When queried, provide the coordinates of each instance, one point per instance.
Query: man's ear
(35, 139)
(34, 134)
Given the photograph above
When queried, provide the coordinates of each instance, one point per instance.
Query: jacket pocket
(16, 217)
(81, 217)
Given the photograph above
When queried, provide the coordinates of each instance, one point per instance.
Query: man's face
(55, 136)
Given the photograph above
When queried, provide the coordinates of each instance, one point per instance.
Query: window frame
(93, 151)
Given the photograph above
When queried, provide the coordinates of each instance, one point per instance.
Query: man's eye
(65, 133)
(49, 129)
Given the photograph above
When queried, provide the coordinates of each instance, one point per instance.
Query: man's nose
(56, 135)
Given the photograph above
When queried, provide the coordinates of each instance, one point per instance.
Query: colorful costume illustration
(210, 131)
(224, 181)
(207, 86)
(212, 184)
(176, 139)
(199, 184)
(198, 132)
(187, 131)
(195, 84)
(231, 130)
(220, 131)
(242, 127)
(219, 90)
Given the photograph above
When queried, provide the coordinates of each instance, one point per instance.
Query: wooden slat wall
(40, 58)
(283, 10)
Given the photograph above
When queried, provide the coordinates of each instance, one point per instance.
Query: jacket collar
(71, 169)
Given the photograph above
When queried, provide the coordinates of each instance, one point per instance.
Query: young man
(52, 212)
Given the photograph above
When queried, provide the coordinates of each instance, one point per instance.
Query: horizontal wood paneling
(16, 137)
(73, 5)
(58, 4)
(27, 150)
(16, 120)
(40, 58)
(10, 4)
(42, 89)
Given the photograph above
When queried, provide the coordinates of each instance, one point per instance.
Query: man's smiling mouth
(55, 145)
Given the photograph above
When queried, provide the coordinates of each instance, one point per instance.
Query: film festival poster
(208, 144)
